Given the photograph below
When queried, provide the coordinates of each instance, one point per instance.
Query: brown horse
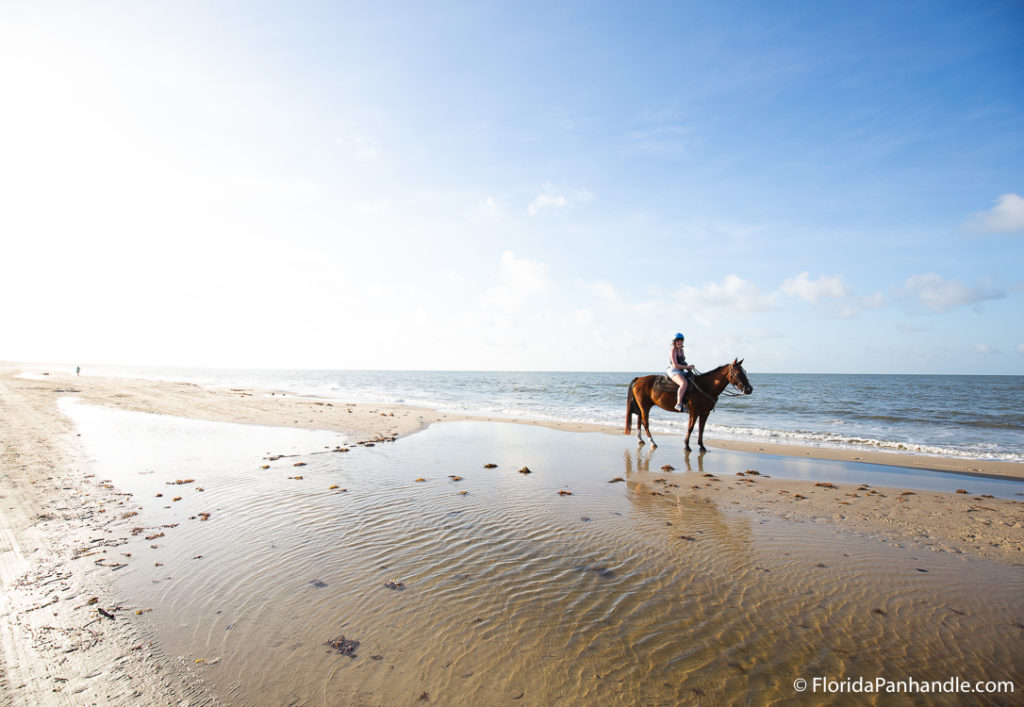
(701, 396)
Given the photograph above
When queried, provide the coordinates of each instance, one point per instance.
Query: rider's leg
(681, 382)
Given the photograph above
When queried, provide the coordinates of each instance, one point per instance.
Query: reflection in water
(510, 591)
(696, 516)
(700, 460)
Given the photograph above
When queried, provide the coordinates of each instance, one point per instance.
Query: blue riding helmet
(679, 337)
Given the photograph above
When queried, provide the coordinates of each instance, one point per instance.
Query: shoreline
(60, 518)
(287, 409)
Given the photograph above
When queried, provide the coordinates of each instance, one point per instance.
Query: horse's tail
(631, 408)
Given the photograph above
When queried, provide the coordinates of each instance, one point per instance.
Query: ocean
(973, 417)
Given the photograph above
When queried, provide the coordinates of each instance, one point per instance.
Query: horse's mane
(713, 371)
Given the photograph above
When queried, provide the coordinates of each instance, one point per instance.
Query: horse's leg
(647, 423)
(689, 430)
(700, 433)
(633, 408)
(641, 420)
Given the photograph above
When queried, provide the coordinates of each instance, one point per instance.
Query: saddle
(664, 384)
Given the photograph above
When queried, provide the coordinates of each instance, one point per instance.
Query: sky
(812, 187)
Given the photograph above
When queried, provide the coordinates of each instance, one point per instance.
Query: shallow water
(512, 593)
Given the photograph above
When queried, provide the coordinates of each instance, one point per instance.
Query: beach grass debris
(563, 492)
(394, 585)
(489, 465)
(962, 491)
(668, 467)
(299, 464)
(265, 466)
(204, 516)
(826, 485)
(616, 480)
(420, 480)
(453, 477)
(176, 498)
(525, 470)
(318, 584)
(296, 478)
(180, 482)
(344, 646)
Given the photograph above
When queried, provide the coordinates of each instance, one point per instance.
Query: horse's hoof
(653, 444)
(641, 443)
(688, 448)
(703, 448)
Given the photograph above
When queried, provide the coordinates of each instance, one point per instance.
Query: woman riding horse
(648, 391)
(679, 370)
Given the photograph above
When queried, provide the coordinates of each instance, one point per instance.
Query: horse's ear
(741, 362)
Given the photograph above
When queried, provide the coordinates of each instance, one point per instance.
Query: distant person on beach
(78, 370)
(679, 369)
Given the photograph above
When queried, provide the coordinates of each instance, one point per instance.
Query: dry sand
(58, 648)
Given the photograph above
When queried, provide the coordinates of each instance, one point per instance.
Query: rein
(725, 391)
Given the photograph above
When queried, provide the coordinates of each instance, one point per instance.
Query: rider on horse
(678, 369)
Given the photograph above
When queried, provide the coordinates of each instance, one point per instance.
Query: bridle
(731, 377)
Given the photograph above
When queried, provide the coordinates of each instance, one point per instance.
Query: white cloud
(941, 295)
(583, 316)
(1007, 216)
(984, 349)
(553, 199)
(615, 302)
(1020, 348)
(815, 291)
(732, 294)
(873, 301)
(543, 201)
(518, 279)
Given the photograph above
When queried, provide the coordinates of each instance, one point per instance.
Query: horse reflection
(695, 516)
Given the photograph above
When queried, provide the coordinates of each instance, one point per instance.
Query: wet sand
(671, 586)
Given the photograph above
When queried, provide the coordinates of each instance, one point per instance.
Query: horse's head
(738, 377)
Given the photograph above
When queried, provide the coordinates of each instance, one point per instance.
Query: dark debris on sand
(344, 646)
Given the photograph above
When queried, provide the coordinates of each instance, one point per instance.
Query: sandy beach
(66, 531)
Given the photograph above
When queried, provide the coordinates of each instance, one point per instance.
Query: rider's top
(677, 359)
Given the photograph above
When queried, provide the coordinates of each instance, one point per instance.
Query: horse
(701, 396)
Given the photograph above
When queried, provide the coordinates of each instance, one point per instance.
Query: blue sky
(826, 187)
